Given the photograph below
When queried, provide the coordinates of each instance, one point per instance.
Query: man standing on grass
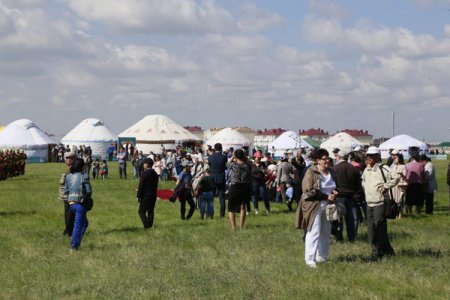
(69, 217)
(122, 159)
(217, 163)
(374, 188)
(146, 193)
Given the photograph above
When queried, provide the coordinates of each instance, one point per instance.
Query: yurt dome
(229, 137)
(155, 130)
(288, 140)
(91, 132)
(343, 141)
(24, 134)
(402, 143)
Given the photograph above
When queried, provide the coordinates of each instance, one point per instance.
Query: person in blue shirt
(184, 187)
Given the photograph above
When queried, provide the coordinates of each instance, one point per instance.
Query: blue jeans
(207, 204)
(259, 192)
(80, 224)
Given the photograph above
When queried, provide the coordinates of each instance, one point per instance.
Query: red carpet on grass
(164, 194)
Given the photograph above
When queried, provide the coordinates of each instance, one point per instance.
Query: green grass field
(201, 259)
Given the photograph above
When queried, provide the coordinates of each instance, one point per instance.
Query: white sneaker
(311, 265)
(321, 259)
(256, 212)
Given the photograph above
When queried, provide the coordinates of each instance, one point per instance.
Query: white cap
(342, 153)
(357, 148)
(394, 152)
(373, 150)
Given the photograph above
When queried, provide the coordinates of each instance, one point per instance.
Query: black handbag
(390, 206)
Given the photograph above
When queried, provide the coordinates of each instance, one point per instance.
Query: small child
(104, 171)
(95, 168)
(289, 195)
(205, 191)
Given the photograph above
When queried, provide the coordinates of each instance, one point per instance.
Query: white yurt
(288, 140)
(24, 134)
(341, 140)
(402, 143)
(228, 137)
(91, 132)
(155, 130)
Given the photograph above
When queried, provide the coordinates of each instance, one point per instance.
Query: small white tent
(289, 140)
(228, 137)
(155, 130)
(26, 135)
(402, 143)
(343, 141)
(91, 132)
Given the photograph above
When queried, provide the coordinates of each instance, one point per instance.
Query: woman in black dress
(240, 190)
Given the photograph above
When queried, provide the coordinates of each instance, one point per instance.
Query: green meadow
(201, 259)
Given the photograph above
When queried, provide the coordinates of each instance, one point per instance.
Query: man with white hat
(374, 188)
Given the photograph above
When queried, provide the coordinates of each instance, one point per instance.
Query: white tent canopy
(289, 140)
(229, 137)
(341, 140)
(26, 135)
(402, 143)
(155, 130)
(91, 132)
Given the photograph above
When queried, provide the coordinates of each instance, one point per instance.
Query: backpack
(86, 193)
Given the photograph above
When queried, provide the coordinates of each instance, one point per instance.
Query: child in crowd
(289, 194)
(95, 168)
(104, 171)
(205, 192)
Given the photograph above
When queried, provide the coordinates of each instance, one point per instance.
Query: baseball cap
(342, 153)
(69, 154)
(394, 152)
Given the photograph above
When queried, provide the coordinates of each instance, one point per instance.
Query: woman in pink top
(415, 175)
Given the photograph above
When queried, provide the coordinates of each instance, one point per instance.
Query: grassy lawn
(201, 259)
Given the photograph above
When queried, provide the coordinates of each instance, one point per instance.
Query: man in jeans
(374, 188)
(217, 163)
(122, 159)
(348, 183)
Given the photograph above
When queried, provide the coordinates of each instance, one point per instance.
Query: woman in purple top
(415, 175)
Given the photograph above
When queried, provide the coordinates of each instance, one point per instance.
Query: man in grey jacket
(374, 188)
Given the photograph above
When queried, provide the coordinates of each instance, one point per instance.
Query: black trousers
(69, 219)
(147, 211)
(184, 196)
(429, 205)
(377, 232)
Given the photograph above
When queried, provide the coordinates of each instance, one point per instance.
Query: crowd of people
(12, 163)
(354, 183)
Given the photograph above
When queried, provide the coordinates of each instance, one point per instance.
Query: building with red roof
(264, 137)
(195, 130)
(360, 134)
(318, 134)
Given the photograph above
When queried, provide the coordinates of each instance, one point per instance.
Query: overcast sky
(293, 64)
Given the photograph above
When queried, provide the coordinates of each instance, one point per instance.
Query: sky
(292, 64)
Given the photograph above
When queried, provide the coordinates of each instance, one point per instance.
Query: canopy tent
(229, 137)
(289, 140)
(91, 132)
(26, 135)
(343, 141)
(155, 130)
(402, 143)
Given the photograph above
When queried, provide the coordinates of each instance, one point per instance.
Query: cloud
(255, 19)
(155, 16)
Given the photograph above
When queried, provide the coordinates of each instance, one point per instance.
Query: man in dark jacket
(348, 183)
(146, 194)
(217, 163)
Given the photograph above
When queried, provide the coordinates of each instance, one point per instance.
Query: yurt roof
(402, 142)
(23, 133)
(228, 136)
(158, 129)
(289, 140)
(341, 140)
(90, 130)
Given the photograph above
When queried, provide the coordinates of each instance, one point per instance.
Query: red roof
(193, 128)
(274, 131)
(356, 132)
(313, 131)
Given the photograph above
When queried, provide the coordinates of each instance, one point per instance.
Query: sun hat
(394, 152)
(373, 150)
